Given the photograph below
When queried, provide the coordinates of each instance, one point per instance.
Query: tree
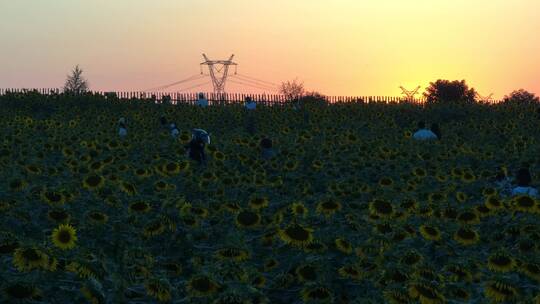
(449, 91)
(75, 83)
(521, 96)
(292, 90)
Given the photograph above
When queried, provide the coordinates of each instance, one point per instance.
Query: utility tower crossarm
(218, 82)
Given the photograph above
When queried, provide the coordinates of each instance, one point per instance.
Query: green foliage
(521, 96)
(449, 91)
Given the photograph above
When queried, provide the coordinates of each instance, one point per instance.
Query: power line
(191, 78)
(195, 86)
(255, 79)
(255, 83)
(252, 85)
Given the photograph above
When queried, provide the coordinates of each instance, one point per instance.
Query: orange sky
(339, 47)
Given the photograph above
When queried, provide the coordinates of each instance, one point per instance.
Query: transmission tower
(409, 94)
(217, 67)
(488, 98)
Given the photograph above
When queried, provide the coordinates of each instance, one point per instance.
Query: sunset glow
(342, 47)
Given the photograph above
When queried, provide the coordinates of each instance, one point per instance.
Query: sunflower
(33, 169)
(482, 210)
(436, 198)
(259, 281)
(461, 196)
(532, 270)
(17, 184)
(64, 237)
(468, 177)
(419, 172)
(139, 207)
(306, 273)
(350, 272)
(233, 254)
(318, 293)
(231, 207)
(97, 217)
(395, 296)
(466, 236)
(248, 219)
(26, 259)
(411, 258)
(426, 293)
(317, 165)
(290, 165)
(500, 291)
(53, 197)
(494, 203)
(489, 191)
(315, 247)
(202, 286)
(128, 188)
(58, 215)
(154, 228)
(18, 292)
(343, 246)
(468, 218)
(160, 185)
(258, 202)
(173, 269)
(270, 264)
(524, 203)
(430, 233)
(409, 204)
(219, 156)
(93, 182)
(296, 235)
(381, 208)
(299, 210)
(386, 182)
(501, 262)
(328, 207)
(159, 289)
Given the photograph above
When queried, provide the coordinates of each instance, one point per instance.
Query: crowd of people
(519, 185)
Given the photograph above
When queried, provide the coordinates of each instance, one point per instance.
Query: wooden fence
(226, 98)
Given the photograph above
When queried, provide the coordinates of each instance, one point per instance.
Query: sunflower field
(350, 210)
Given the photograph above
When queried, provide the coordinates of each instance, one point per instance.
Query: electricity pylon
(219, 80)
(488, 98)
(409, 94)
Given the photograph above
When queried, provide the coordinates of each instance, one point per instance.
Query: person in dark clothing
(196, 150)
(435, 129)
(163, 121)
(197, 144)
(266, 148)
(523, 180)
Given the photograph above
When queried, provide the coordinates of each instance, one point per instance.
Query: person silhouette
(195, 148)
(267, 152)
(424, 134)
(250, 104)
(122, 129)
(523, 180)
(436, 130)
(202, 101)
(174, 130)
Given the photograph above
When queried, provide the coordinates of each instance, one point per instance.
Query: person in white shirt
(174, 130)
(523, 180)
(423, 133)
(122, 130)
(250, 104)
(202, 102)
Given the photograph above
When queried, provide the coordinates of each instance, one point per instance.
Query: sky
(335, 47)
